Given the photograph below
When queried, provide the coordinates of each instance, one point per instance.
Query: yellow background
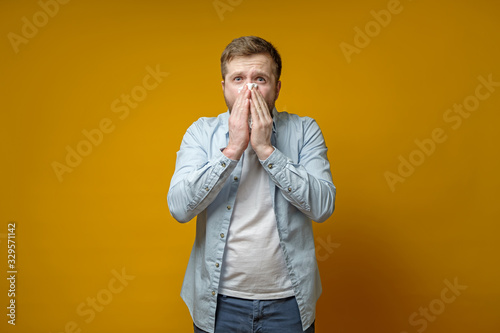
(384, 254)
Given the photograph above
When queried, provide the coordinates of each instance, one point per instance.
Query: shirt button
(221, 235)
(223, 164)
(213, 293)
(270, 166)
(217, 264)
(206, 188)
(235, 178)
(228, 207)
(289, 189)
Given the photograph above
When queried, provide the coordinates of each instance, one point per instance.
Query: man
(255, 178)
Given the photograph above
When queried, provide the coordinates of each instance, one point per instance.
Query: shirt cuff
(275, 163)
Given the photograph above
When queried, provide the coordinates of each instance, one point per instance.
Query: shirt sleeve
(306, 184)
(197, 179)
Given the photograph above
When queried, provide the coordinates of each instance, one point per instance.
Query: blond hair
(250, 45)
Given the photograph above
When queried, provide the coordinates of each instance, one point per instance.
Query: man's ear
(223, 84)
(278, 88)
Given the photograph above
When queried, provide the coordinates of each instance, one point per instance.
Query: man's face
(257, 68)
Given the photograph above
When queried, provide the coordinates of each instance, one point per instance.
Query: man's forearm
(192, 191)
(312, 194)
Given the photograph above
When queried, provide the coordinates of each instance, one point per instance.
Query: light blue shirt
(205, 183)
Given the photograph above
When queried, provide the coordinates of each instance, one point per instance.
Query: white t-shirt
(253, 266)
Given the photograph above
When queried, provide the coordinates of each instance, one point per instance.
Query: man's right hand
(239, 133)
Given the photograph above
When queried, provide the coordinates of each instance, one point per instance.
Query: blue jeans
(236, 315)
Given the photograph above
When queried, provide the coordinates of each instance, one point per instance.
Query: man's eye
(237, 79)
(260, 79)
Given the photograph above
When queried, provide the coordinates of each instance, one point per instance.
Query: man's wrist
(264, 153)
(231, 153)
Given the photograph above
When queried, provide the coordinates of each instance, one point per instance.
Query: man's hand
(239, 134)
(262, 126)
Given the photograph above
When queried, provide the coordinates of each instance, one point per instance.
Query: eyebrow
(256, 74)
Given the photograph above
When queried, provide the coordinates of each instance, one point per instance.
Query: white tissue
(249, 85)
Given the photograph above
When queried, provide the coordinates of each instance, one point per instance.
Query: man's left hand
(262, 126)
